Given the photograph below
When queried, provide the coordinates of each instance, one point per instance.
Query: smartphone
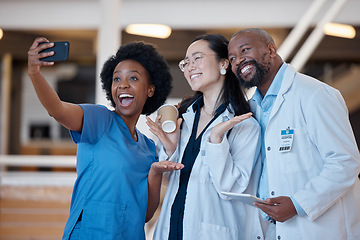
(61, 52)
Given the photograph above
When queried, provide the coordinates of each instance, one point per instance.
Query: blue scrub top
(111, 188)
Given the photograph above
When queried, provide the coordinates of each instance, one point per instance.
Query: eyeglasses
(195, 60)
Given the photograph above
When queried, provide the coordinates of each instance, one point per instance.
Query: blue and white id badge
(286, 140)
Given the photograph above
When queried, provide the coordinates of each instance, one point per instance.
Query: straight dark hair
(231, 92)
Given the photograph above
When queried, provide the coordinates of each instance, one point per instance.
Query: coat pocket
(210, 231)
(201, 169)
(103, 220)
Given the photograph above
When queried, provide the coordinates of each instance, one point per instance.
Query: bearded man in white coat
(310, 160)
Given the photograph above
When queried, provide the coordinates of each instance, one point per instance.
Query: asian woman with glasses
(218, 142)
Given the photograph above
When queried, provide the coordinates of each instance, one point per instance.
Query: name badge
(286, 140)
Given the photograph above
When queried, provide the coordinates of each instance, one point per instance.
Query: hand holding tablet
(245, 198)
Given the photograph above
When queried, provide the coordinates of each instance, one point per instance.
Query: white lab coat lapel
(188, 120)
(185, 133)
(285, 86)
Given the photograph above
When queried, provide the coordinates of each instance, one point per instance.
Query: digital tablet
(245, 198)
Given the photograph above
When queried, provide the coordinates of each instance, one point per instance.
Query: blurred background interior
(37, 156)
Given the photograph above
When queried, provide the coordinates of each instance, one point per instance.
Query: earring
(223, 71)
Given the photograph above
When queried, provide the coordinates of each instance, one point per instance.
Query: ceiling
(77, 21)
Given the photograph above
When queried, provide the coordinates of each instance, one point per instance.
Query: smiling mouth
(194, 76)
(126, 99)
(246, 69)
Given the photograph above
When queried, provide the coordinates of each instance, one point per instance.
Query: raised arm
(168, 140)
(217, 133)
(231, 161)
(67, 114)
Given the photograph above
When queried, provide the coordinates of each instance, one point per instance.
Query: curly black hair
(155, 64)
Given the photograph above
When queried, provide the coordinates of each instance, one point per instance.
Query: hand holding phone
(61, 52)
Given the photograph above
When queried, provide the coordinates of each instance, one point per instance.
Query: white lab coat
(321, 170)
(218, 167)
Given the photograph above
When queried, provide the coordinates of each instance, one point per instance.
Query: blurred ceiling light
(1, 33)
(149, 30)
(339, 30)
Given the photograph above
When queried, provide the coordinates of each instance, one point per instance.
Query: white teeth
(194, 76)
(244, 69)
(125, 95)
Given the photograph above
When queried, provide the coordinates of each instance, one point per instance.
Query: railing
(37, 160)
(42, 178)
